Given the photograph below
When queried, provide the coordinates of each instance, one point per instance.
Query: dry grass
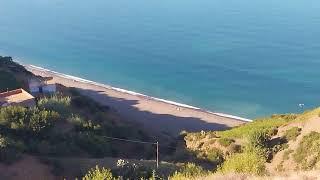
(308, 175)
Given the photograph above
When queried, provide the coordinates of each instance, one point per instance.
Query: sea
(245, 58)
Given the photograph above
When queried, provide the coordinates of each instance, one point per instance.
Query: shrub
(247, 162)
(20, 118)
(56, 103)
(225, 141)
(308, 153)
(40, 120)
(189, 171)
(99, 174)
(258, 138)
(82, 124)
(215, 155)
(95, 145)
(292, 134)
(127, 170)
(258, 144)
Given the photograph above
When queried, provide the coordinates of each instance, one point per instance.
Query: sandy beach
(152, 113)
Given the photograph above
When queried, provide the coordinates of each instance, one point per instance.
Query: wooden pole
(157, 155)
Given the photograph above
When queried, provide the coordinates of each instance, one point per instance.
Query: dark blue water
(248, 58)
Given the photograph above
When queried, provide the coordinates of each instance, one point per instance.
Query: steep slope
(277, 145)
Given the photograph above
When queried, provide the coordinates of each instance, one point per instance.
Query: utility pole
(157, 154)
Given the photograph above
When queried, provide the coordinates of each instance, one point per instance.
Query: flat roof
(14, 96)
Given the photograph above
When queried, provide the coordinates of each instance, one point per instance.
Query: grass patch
(189, 171)
(225, 142)
(268, 124)
(292, 134)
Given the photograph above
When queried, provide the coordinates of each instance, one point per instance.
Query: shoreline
(181, 105)
(155, 115)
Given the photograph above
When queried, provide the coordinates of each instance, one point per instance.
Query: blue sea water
(247, 58)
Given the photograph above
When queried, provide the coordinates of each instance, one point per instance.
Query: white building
(42, 85)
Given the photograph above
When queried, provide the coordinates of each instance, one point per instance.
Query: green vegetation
(189, 171)
(57, 103)
(258, 143)
(292, 134)
(8, 81)
(225, 141)
(268, 124)
(79, 123)
(307, 154)
(99, 174)
(12, 74)
(26, 120)
(55, 124)
(215, 155)
(247, 162)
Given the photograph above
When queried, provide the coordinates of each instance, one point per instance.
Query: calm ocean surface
(247, 58)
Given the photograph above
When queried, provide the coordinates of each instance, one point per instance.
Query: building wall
(51, 88)
(34, 89)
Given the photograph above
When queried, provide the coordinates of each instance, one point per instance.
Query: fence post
(157, 154)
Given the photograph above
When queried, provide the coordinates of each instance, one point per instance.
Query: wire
(141, 142)
(128, 140)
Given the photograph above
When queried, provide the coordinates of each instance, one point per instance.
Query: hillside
(279, 145)
(64, 125)
(66, 134)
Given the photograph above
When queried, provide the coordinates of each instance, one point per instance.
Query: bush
(99, 174)
(20, 118)
(82, 124)
(93, 144)
(215, 155)
(258, 144)
(247, 162)
(258, 138)
(307, 154)
(292, 134)
(225, 141)
(56, 103)
(189, 171)
(127, 170)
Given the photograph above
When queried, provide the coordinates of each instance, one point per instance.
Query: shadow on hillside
(164, 123)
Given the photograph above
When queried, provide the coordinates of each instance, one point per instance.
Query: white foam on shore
(133, 93)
